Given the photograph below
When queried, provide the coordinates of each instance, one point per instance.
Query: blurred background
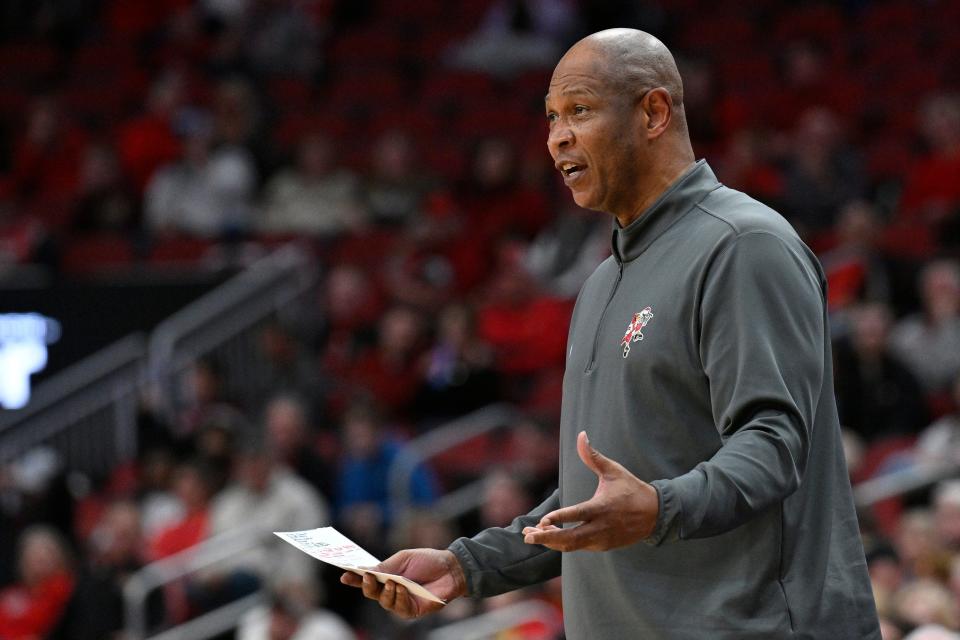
(281, 264)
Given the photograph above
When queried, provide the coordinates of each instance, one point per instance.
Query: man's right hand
(438, 571)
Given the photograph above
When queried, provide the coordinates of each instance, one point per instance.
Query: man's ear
(657, 108)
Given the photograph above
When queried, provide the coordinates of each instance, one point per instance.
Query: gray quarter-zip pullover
(699, 358)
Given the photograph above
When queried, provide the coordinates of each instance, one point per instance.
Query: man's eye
(580, 110)
(551, 117)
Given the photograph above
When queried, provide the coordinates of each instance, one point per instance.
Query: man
(728, 513)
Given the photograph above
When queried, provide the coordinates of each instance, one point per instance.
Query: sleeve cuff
(468, 563)
(667, 528)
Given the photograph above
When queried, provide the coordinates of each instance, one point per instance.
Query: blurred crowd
(403, 144)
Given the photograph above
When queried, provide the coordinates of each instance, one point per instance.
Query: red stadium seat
(819, 22)
(362, 49)
(98, 253)
(26, 62)
(180, 250)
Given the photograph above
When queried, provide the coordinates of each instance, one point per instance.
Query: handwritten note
(329, 545)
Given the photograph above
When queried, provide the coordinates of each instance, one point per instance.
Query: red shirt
(933, 180)
(31, 612)
(529, 337)
(183, 535)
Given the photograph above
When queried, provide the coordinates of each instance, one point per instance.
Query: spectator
(459, 374)
(433, 261)
(114, 552)
(526, 328)
(927, 602)
(33, 606)
(747, 165)
(290, 437)
(700, 100)
(932, 190)
(917, 544)
(202, 396)
(159, 507)
(517, 35)
(365, 497)
(946, 514)
(46, 161)
(565, 253)
(390, 371)
(877, 397)
(351, 306)
(207, 193)
(147, 141)
(495, 198)
(859, 269)
(105, 203)
(886, 577)
(292, 615)
(282, 364)
(421, 528)
(532, 454)
(504, 496)
(33, 490)
(237, 123)
(193, 489)
(394, 190)
(821, 175)
(286, 39)
(216, 443)
(265, 497)
(929, 342)
(809, 76)
(932, 632)
(939, 443)
(889, 630)
(503, 490)
(314, 197)
(117, 541)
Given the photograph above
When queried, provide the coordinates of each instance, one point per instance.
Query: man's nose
(560, 137)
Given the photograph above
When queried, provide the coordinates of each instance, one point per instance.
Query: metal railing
(86, 413)
(208, 553)
(214, 623)
(440, 440)
(913, 478)
(222, 322)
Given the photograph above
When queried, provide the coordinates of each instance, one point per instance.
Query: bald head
(617, 126)
(634, 62)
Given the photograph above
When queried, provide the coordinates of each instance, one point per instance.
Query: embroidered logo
(635, 329)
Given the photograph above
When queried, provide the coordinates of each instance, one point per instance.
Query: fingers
(371, 588)
(352, 579)
(582, 512)
(388, 596)
(539, 527)
(586, 537)
(391, 596)
(404, 604)
(595, 461)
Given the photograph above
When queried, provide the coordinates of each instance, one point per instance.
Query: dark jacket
(726, 406)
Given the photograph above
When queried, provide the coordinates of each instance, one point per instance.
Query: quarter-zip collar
(685, 193)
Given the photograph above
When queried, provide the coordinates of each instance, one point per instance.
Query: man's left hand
(622, 511)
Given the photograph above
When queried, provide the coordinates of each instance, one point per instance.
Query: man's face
(594, 134)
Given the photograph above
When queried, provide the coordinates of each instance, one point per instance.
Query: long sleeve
(762, 326)
(497, 560)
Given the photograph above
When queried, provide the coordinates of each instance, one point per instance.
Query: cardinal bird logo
(635, 329)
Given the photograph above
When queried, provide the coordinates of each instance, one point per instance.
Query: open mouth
(570, 170)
